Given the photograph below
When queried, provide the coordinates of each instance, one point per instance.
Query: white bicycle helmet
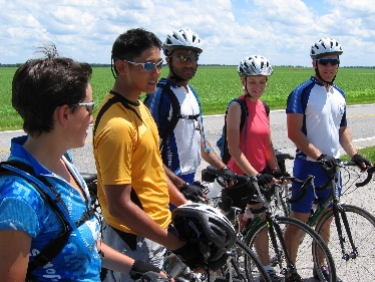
(183, 38)
(207, 226)
(254, 65)
(325, 46)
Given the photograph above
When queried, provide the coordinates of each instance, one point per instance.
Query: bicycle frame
(338, 209)
(274, 230)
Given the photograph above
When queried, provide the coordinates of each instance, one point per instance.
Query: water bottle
(214, 190)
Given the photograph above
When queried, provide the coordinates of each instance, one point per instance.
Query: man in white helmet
(176, 109)
(317, 124)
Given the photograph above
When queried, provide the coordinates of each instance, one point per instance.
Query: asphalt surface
(361, 120)
(361, 123)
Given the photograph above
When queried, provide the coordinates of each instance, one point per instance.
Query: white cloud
(281, 30)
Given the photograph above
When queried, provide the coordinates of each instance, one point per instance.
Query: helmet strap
(324, 81)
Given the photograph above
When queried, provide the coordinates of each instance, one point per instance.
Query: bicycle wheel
(242, 265)
(362, 227)
(279, 256)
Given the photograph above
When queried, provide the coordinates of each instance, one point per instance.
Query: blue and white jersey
(182, 150)
(324, 113)
(23, 208)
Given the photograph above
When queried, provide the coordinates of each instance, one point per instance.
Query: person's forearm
(211, 157)
(302, 143)
(346, 141)
(177, 181)
(114, 260)
(140, 223)
(176, 197)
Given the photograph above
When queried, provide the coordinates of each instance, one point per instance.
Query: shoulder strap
(266, 107)
(176, 113)
(55, 246)
(115, 99)
(244, 111)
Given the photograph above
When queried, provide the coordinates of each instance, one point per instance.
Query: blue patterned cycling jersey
(324, 113)
(22, 208)
(182, 153)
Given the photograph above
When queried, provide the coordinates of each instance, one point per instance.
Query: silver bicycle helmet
(206, 226)
(183, 38)
(254, 65)
(325, 46)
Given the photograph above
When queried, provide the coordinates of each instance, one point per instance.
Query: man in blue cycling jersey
(183, 141)
(317, 124)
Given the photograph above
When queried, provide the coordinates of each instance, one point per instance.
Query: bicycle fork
(337, 211)
(275, 230)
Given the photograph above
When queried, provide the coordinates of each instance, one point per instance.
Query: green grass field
(216, 85)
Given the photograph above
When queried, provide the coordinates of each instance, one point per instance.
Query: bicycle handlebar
(304, 185)
(339, 164)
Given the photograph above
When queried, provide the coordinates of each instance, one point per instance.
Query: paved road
(361, 122)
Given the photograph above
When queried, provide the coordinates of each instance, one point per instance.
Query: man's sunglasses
(182, 58)
(326, 61)
(89, 106)
(148, 65)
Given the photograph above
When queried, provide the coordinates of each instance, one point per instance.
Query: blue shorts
(301, 170)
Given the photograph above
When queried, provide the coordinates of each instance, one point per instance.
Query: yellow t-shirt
(126, 151)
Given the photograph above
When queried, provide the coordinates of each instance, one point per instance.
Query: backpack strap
(53, 198)
(176, 113)
(117, 98)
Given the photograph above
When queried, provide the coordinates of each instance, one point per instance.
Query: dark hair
(41, 85)
(132, 43)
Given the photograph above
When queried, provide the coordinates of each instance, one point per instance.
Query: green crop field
(216, 85)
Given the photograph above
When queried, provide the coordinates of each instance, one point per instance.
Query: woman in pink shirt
(251, 148)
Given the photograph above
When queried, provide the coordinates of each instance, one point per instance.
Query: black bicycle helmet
(206, 226)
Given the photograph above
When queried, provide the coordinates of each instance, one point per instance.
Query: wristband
(139, 267)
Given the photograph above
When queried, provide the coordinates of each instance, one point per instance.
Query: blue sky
(280, 30)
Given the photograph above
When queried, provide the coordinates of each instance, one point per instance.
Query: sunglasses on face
(89, 106)
(148, 65)
(182, 58)
(326, 61)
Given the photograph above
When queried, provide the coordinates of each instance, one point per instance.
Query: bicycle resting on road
(209, 235)
(351, 241)
(268, 219)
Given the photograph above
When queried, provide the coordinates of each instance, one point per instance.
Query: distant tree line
(108, 65)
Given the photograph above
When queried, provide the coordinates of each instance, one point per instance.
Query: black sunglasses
(182, 58)
(89, 106)
(326, 61)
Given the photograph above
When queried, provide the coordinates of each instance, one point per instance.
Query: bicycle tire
(305, 262)
(233, 270)
(362, 227)
(243, 265)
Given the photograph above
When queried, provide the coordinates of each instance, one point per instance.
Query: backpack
(176, 110)
(222, 142)
(48, 192)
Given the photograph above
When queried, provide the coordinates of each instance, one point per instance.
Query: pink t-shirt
(254, 137)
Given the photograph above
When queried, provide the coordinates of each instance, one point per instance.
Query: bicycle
(233, 270)
(352, 245)
(268, 220)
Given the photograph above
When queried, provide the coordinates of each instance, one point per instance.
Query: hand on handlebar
(264, 179)
(279, 174)
(193, 192)
(361, 162)
(328, 163)
(229, 176)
